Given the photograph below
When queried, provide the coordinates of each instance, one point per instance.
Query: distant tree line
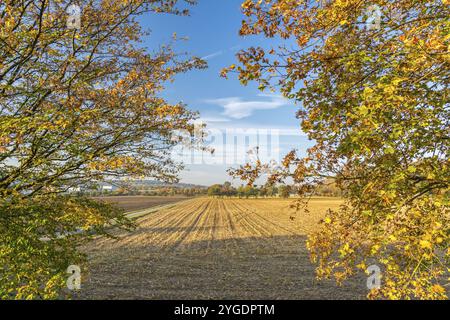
(328, 189)
(149, 191)
(227, 190)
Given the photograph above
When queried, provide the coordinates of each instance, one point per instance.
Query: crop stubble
(208, 248)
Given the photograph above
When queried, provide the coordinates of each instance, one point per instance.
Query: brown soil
(132, 203)
(215, 249)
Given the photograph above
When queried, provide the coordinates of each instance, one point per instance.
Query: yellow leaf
(438, 289)
(425, 244)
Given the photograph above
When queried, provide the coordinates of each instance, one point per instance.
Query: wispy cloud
(221, 52)
(238, 108)
(238, 126)
(214, 119)
(212, 55)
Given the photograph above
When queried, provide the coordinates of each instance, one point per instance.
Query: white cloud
(220, 52)
(294, 131)
(212, 55)
(214, 119)
(237, 108)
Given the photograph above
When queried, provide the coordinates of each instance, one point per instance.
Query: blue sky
(244, 116)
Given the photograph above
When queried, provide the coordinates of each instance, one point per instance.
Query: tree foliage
(76, 105)
(373, 81)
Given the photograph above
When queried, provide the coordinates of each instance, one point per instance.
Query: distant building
(74, 189)
(107, 188)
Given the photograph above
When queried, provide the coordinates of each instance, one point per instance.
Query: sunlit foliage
(78, 104)
(373, 81)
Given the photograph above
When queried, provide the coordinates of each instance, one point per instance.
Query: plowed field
(214, 249)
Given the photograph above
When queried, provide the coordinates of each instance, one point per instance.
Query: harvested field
(132, 203)
(214, 249)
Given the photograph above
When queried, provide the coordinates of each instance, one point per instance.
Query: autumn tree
(228, 189)
(285, 191)
(372, 78)
(215, 190)
(250, 191)
(263, 191)
(240, 191)
(80, 101)
(272, 191)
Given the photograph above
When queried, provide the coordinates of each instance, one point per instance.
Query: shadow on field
(164, 230)
(275, 267)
